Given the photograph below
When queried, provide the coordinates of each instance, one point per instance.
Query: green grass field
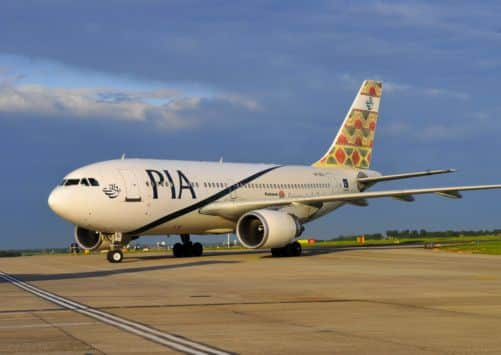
(340, 243)
(488, 247)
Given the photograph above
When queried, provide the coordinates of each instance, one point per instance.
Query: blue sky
(254, 81)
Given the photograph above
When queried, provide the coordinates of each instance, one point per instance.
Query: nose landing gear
(187, 248)
(115, 254)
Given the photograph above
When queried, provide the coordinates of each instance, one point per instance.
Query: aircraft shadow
(104, 273)
(315, 251)
(265, 253)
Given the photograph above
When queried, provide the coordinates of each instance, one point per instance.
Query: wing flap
(449, 194)
(360, 203)
(405, 198)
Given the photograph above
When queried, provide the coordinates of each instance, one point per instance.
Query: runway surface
(406, 300)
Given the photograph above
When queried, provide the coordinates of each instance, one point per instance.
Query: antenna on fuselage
(221, 160)
(123, 156)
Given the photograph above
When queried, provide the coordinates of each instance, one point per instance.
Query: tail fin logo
(369, 103)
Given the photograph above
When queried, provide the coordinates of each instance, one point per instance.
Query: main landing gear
(115, 254)
(292, 249)
(187, 248)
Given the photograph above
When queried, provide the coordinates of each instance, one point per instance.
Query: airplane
(114, 202)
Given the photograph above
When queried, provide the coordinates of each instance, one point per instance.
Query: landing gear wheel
(197, 249)
(295, 249)
(178, 250)
(188, 249)
(114, 256)
(276, 252)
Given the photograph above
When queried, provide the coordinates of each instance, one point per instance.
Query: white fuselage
(148, 197)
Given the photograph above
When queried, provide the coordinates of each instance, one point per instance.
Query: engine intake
(267, 229)
(91, 240)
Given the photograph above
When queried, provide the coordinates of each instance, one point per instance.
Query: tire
(275, 252)
(178, 250)
(288, 250)
(197, 249)
(188, 249)
(115, 256)
(296, 249)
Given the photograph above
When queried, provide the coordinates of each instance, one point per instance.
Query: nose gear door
(132, 191)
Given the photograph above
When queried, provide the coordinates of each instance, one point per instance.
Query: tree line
(422, 233)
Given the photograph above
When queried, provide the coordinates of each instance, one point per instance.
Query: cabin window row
(270, 186)
(221, 185)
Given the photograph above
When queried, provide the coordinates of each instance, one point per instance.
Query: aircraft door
(132, 191)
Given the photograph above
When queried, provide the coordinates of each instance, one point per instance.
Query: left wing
(234, 209)
(374, 179)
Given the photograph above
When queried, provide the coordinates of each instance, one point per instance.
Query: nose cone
(54, 202)
(70, 204)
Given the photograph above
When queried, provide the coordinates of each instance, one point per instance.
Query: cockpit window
(70, 182)
(82, 181)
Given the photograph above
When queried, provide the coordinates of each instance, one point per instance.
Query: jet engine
(267, 229)
(91, 240)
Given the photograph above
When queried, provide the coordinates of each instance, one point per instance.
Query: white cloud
(445, 92)
(452, 20)
(442, 132)
(352, 83)
(415, 13)
(166, 107)
(393, 87)
(239, 100)
(396, 87)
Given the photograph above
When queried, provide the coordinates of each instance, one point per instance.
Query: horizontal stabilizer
(374, 179)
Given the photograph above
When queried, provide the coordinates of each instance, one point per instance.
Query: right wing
(234, 209)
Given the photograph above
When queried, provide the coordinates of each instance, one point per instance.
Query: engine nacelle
(267, 229)
(91, 240)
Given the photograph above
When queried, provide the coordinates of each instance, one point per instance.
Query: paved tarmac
(370, 301)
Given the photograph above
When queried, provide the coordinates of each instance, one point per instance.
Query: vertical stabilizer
(353, 143)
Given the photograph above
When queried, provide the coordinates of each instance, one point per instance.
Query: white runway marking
(169, 340)
(22, 326)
